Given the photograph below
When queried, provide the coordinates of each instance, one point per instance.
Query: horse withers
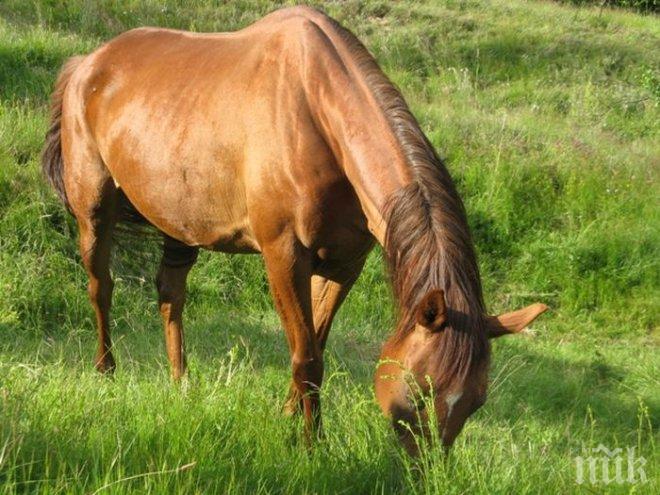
(285, 139)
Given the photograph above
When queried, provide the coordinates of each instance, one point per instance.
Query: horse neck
(356, 128)
(371, 160)
(406, 193)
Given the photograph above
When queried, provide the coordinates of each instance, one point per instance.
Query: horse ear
(431, 311)
(514, 322)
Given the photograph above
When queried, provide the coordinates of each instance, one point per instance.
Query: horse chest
(331, 223)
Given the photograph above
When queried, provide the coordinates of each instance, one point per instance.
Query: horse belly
(218, 224)
(197, 199)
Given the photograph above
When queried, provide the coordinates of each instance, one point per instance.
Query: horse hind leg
(96, 222)
(175, 265)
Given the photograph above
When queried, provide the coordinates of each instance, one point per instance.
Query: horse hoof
(106, 365)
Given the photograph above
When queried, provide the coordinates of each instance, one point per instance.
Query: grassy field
(549, 118)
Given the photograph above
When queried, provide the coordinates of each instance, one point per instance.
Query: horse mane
(427, 243)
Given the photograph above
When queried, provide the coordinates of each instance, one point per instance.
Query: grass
(548, 117)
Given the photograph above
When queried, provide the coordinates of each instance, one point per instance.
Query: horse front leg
(328, 292)
(175, 265)
(288, 266)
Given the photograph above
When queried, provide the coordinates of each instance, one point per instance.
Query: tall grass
(548, 117)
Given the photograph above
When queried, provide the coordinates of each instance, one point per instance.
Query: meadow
(548, 115)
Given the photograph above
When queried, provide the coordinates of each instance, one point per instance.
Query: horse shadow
(562, 391)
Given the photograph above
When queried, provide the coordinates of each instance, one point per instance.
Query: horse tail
(51, 156)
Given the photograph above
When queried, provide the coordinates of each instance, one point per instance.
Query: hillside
(548, 117)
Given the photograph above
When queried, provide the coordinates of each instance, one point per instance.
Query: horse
(285, 139)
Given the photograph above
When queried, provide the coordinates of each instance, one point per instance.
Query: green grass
(548, 115)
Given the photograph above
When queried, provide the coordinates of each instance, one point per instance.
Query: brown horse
(285, 139)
